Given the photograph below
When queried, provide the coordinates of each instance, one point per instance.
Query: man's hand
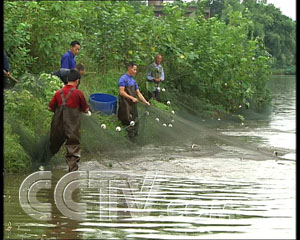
(156, 79)
(7, 74)
(134, 100)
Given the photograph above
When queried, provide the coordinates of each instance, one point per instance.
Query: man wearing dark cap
(67, 105)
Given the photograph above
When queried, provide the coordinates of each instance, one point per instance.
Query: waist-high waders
(152, 86)
(153, 90)
(128, 112)
(65, 126)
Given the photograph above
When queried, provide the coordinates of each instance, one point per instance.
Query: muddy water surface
(172, 192)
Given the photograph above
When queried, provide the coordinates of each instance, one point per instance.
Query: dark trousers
(65, 129)
(155, 94)
(128, 112)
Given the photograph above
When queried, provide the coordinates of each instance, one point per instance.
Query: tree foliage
(278, 32)
(200, 55)
(37, 33)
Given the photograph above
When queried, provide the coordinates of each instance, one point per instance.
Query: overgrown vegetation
(210, 64)
(26, 114)
(278, 32)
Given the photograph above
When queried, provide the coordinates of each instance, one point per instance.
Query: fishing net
(171, 122)
(161, 126)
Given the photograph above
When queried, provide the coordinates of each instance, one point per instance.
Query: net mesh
(188, 129)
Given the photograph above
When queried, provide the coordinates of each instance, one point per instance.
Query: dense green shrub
(37, 33)
(15, 157)
(25, 108)
(28, 101)
(200, 56)
(266, 22)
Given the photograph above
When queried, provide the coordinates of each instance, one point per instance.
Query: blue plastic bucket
(104, 103)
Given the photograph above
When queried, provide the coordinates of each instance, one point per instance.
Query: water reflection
(275, 128)
(135, 205)
(192, 207)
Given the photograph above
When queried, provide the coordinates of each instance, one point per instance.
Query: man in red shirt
(67, 104)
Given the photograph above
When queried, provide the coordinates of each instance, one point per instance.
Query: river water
(242, 191)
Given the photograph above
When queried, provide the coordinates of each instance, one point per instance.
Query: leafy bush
(50, 84)
(28, 109)
(200, 55)
(15, 158)
(33, 46)
(25, 107)
(161, 106)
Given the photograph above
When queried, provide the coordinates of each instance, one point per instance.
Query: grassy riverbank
(27, 120)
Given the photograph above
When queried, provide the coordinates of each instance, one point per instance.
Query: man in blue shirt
(68, 59)
(155, 75)
(64, 73)
(129, 94)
